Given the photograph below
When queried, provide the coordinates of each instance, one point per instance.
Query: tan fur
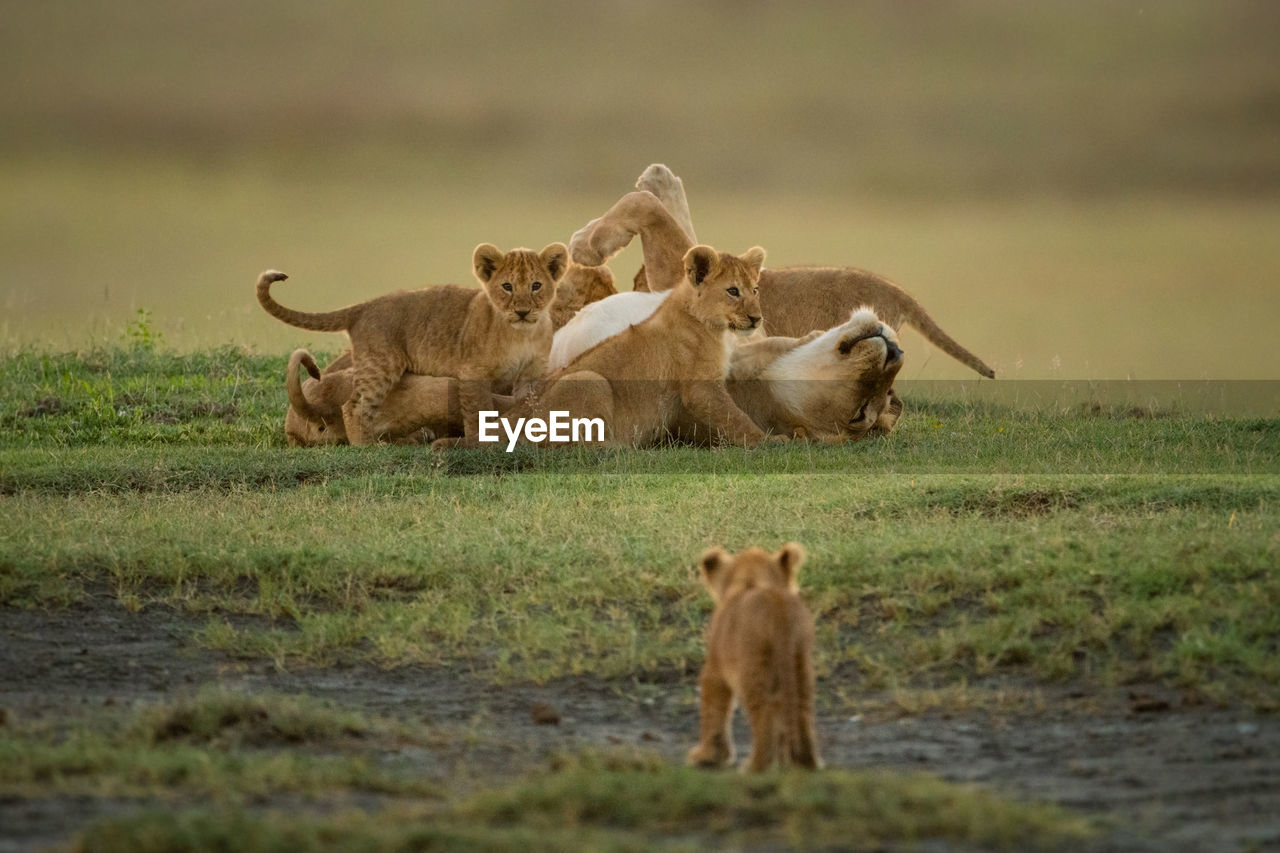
(499, 333)
(580, 286)
(418, 406)
(417, 410)
(845, 393)
(314, 416)
(827, 386)
(759, 655)
(669, 189)
(641, 381)
(847, 405)
(795, 300)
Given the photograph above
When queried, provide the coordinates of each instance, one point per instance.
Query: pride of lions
(710, 347)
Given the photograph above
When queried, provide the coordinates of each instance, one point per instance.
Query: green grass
(1069, 545)
(226, 747)
(629, 803)
(235, 754)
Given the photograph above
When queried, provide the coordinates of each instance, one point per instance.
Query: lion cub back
(759, 652)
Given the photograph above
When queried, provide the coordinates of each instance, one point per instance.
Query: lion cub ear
(753, 258)
(485, 261)
(711, 563)
(556, 257)
(699, 263)
(791, 557)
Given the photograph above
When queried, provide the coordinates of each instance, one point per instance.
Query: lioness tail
(918, 317)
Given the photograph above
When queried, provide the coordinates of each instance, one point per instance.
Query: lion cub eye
(733, 291)
(506, 285)
(536, 286)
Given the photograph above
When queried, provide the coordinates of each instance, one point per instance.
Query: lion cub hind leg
(768, 733)
(374, 379)
(715, 714)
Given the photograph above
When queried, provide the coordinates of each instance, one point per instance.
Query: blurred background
(1073, 190)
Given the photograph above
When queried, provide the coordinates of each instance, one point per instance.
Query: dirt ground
(1165, 775)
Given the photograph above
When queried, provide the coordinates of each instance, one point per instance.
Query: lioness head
(842, 380)
(725, 287)
(726, 575)
(521, 283)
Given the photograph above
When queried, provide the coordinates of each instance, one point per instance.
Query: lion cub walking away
(500, 333)
(759, 654)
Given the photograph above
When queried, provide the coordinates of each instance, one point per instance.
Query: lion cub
(674, 362)
(759, 654)
(417, 410)
(500, 333)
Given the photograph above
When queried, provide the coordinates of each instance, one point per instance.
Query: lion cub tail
(332, 321)
(322, 412)
(925, 325)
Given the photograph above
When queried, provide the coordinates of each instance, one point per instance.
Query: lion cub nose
(522, 314)
(892, 351)
(755, 321)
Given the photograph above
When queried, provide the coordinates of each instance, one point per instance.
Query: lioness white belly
(599, 321)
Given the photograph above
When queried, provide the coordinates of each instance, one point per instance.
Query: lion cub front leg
(374, 379)
(715, 744)
(475, 395)
(710, 404)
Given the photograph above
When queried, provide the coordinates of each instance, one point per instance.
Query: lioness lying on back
(500, 333)
(829, 386)
(641, 381)
(759, 654)
(795, 300)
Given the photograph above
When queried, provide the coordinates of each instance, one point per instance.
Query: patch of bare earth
(1163, 775)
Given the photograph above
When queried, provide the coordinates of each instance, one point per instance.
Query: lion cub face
(759, 654)
(726, 287)
(521, 283)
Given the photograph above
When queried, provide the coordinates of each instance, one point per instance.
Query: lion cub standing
(759, 654)
(674, 362)
(500, 333)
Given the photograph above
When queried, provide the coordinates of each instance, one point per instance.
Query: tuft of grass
(228, 719)
(610, 802)
(866, 809)
(218, 744)
(90, 764)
